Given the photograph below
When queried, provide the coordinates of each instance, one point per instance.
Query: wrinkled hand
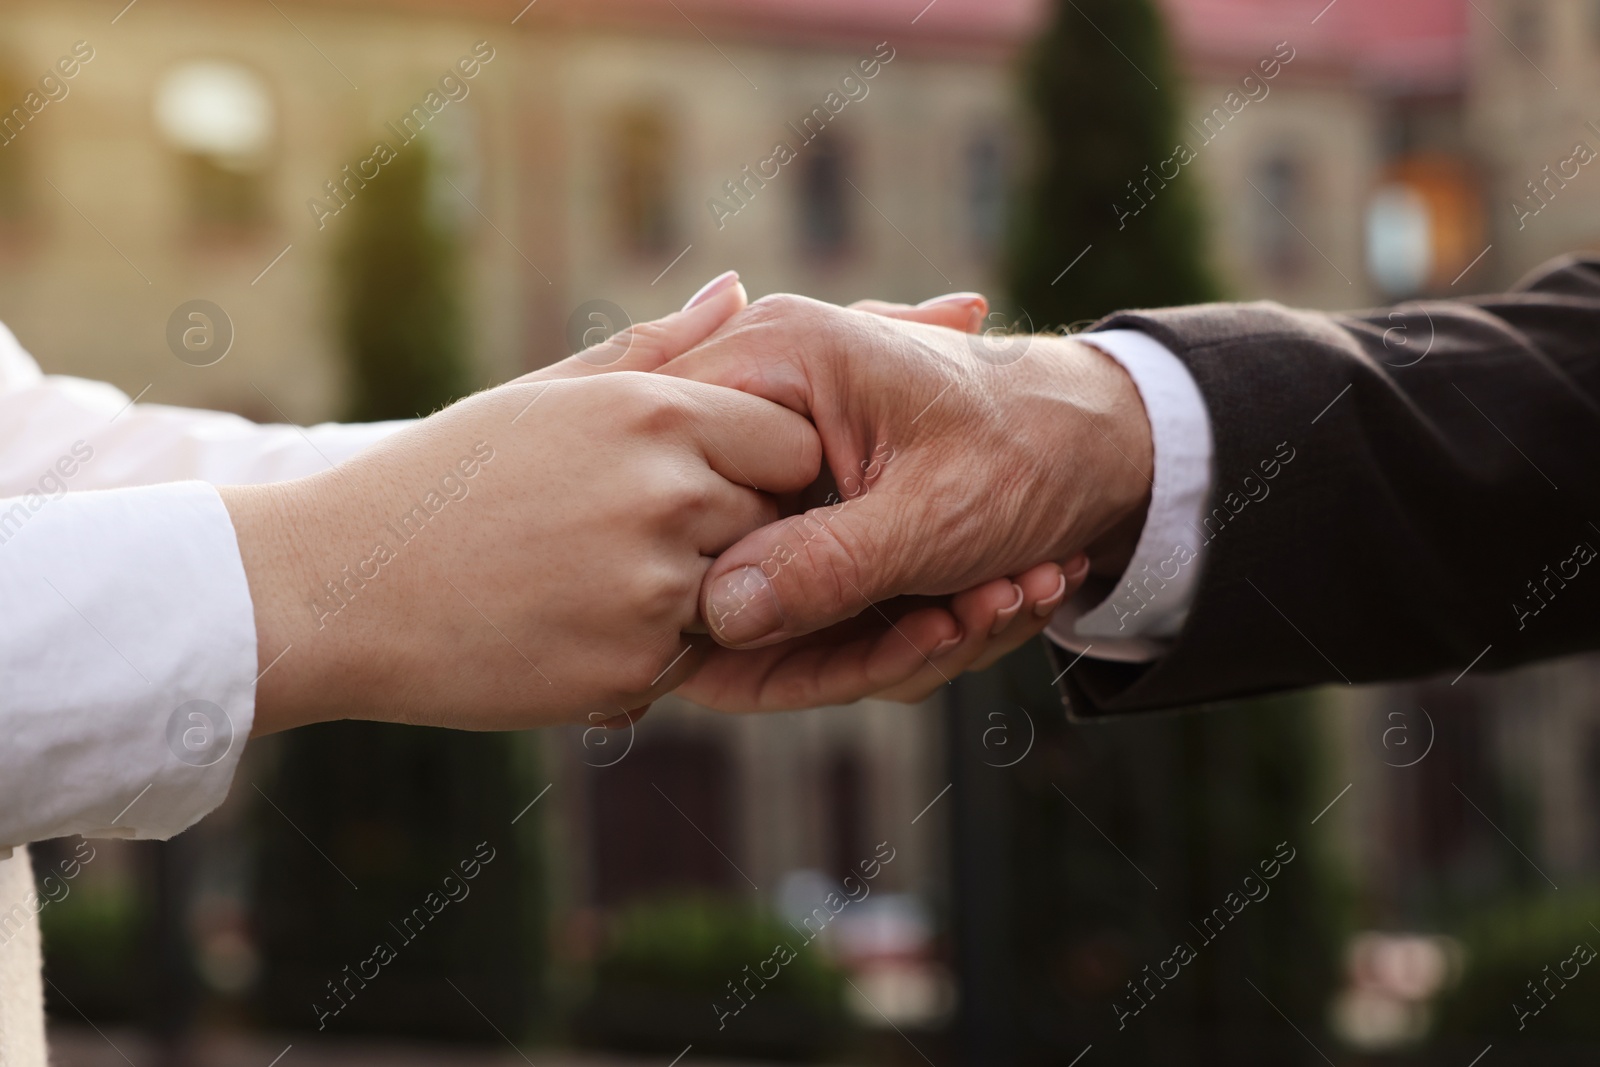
(960, 459)
(904, 649)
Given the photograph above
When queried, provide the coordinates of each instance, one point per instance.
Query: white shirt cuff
(127, 661)
(1150, 602)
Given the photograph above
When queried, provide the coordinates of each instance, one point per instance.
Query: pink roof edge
(1394, 40)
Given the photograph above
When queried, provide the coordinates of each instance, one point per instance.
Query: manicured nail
(944, 646)
(1006, 614)
(1049, 604)
(978, 305)
(1078, 569)
(954, 298)
(712, 288)
(743, 607)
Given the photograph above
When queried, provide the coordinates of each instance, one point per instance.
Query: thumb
(803, 573)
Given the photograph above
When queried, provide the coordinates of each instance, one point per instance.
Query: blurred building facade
(624, 151)
(187, 151)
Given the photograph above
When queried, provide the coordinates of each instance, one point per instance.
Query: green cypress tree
(1193, 803)
(400, 312)
(1105, 102)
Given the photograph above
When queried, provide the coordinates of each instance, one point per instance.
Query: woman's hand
(528, 556)
(644, 346)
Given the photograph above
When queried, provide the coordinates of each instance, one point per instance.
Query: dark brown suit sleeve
(1440, 508)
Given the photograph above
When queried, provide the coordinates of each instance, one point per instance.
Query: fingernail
(1050, 603)
(1006, 614)
(712, 288)
(1077, 570)
(974, 315)
(953, 298)
(743, 607)
(944, 646)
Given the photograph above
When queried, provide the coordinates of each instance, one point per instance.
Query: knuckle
(665, 593)
(669, 492)
(790, 312)
(692, 496)
(778, 305)
(636, 675)
(646, 406)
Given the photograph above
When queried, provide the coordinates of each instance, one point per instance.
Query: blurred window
(218, 117)
(1280, 249)
(642, 151)
(1399, 240)
(825, 197)
(1526, 29)
(986, 190)
(1425, 224)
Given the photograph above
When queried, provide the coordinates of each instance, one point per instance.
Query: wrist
(1102, 434)
(273, 525)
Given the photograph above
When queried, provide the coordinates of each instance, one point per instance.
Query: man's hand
(957, 460)
(903, 649)
(528, 556)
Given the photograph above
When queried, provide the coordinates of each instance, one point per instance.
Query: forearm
(1385, 489)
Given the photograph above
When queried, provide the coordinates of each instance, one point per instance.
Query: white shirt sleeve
(127, 637)
(125, 444)
(128, 659)
(1136, 619)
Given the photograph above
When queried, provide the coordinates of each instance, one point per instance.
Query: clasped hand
(853, 502)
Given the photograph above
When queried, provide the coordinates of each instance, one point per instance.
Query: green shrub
(699, 944)
(1508, 945)
(663, 981)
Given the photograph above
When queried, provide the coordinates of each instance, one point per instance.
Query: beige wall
(907, 136)
(1521, 122)
(79, 305)
(533, 155)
